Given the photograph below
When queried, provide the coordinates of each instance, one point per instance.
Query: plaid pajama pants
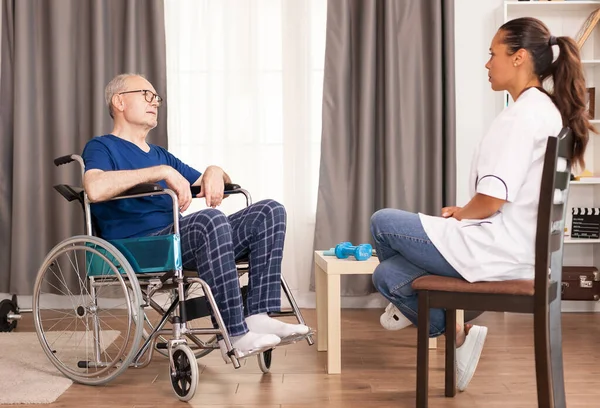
(210, 244)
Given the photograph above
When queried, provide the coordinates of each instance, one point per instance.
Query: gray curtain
(388, 117)
(57, 57)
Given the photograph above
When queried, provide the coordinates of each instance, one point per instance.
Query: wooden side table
(328, 270)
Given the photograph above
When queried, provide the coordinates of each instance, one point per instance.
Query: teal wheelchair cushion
(145, 255)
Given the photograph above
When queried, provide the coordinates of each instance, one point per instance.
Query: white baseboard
(578, 306)
(307, 300)
(24, 302)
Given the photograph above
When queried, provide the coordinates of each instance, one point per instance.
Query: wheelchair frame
(181, 357)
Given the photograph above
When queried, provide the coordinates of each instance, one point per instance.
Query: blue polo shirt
(133, 217)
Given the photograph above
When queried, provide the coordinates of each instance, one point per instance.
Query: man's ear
(118, 103)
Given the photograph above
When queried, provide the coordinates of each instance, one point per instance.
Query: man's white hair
(116, 85)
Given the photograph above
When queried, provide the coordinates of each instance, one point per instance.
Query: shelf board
(595, 121)
(590, 62)
(583, 182)
(569, 240)
(553, 5)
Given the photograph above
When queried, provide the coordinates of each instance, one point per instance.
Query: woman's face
(501, 70)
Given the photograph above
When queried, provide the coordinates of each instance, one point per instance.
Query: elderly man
(210, 241)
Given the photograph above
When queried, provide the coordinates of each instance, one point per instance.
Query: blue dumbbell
(331, 251)
(361, 252)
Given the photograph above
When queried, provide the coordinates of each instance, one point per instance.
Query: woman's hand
(480, 207)
(448, 212)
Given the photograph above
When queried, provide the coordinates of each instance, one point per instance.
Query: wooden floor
(378, 370)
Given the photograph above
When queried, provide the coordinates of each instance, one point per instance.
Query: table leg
(334, 338)
(321, 289)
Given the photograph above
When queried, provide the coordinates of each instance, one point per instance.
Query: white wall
(476, 22)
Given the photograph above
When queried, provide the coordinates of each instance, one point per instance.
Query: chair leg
(542, 357)
(556, 354)
(450, 352)
(423, 350)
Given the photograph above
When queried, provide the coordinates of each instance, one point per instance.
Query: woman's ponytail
(569, 95)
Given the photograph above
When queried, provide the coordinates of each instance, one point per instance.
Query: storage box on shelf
(567, 18)
(581, 283)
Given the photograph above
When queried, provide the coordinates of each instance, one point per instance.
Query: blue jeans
(406, 253)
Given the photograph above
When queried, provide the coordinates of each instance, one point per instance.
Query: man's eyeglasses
(148, 95)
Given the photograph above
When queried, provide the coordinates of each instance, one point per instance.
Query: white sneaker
(393, 319)
(467, 356)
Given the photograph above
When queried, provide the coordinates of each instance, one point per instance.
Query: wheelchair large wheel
(86, 303)
(185, 378)
(264, 360)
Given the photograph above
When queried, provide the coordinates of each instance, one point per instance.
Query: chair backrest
(552, 211)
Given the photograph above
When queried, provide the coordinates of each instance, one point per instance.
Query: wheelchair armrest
(230, 188)
(143, 188)
(70, 193)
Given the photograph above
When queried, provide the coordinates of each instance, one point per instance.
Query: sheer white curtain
(244, 89)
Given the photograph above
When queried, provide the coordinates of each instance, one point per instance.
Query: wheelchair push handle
(59, 161)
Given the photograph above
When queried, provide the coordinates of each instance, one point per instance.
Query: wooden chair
(540, 297)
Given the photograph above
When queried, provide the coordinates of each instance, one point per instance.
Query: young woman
(491, 238)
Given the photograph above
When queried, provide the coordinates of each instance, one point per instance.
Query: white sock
(262, 323)
(252, 341)
(249, 342)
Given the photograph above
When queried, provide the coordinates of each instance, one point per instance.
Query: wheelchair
(102, 306)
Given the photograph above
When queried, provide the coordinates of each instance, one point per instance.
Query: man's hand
(180, 186)
(448, 212)
(212, 186)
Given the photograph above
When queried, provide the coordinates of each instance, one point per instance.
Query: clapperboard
(586, 223)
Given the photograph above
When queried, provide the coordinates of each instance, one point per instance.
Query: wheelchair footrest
(241, 356)
(282, 313)
(296, 338)
(284, 342)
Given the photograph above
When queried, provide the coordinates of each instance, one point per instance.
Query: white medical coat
(507, 164)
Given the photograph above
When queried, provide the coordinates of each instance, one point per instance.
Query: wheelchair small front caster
(8, 307)
(264, 360)
(185, 378)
